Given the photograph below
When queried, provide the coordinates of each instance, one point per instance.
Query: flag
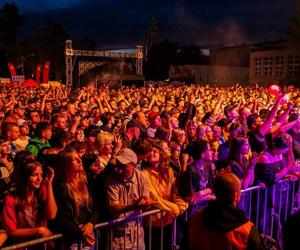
(46, 72)
(12, 69)
(38, 73)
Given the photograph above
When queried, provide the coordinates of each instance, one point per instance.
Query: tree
(294, 35)
(47, 44)
(294, 29)
(10, 21)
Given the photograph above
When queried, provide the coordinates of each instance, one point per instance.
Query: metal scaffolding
(70, 52)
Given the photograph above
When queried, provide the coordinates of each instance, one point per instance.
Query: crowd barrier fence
(267, 207)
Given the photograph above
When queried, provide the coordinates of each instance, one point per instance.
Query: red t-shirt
(14, 219)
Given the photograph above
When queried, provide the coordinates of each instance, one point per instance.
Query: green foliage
(10, 21)
(294, 28)
(46, 44)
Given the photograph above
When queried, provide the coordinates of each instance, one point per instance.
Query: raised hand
(87, 228)
(50, 176)
(89, 239)
(118, 143)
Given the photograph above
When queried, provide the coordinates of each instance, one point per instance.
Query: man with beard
(131, 134)
(127, 193)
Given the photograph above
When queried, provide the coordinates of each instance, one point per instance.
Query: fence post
(162, 232)
(174, 234)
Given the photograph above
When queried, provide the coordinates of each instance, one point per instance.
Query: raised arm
(266, 127)
(282, 119)
(216, 110)
(51, 208)
(44, 101)
(107, 104)
(100, 107)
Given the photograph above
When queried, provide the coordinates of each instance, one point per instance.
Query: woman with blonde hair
(105, 149)
(204, 132)
(76, 217)
(163, 191)
(179, 137)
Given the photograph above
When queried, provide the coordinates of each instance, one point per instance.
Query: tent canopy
(30, 83)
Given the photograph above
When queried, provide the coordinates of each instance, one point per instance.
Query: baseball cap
(126, 155)
(21, 122)
(153, 114)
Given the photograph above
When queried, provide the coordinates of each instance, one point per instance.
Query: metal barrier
(123, 223)
(273, 205)
(136, 217)
(34, 242)
(267, 207)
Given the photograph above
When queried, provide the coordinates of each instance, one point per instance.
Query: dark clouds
(126, 22)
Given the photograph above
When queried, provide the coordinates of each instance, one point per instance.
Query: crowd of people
(71, 158)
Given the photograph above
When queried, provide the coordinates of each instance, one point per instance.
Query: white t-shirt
(20, 144)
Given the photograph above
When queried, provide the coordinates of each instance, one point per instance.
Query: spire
(153, 33)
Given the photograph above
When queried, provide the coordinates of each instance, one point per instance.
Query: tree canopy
(294, 28)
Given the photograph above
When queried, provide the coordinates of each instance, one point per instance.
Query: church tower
(153, 37)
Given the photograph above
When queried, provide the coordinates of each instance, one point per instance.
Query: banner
(38, 73)
(12, 69)
(46, 72)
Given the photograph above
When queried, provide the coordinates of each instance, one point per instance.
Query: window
(257, 66)
(268, 66)
(293, 65)
(279, 65)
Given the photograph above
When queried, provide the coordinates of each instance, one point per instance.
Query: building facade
(236, 56)
(279, 65)
(212, 74)
(261, 63)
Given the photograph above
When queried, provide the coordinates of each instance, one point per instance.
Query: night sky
(124, 23)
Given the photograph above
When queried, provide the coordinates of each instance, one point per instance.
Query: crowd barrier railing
(266, 207)
(40, 241)
(122, 222)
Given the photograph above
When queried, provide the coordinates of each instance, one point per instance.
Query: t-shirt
(197, 179)
(126, 193)
(4, 180)
(14, 218)
(266, 172)
(151, 132)
(20, 144)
